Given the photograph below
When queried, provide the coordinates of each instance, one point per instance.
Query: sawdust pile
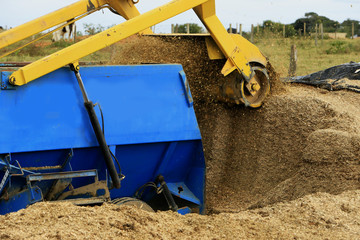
(319, 216)
(302, 141)
(265, 167)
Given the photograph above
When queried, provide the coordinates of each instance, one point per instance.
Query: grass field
(311, 58)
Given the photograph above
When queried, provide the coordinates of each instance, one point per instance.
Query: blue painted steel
(13, 169)
(182, 191)
(21, 200)
(5, 85)
(149, 124)
(184, 210)
(145, 106)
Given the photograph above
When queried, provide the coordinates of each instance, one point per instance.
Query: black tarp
(344, 76)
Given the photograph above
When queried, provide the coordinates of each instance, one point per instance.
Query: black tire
(133, 202)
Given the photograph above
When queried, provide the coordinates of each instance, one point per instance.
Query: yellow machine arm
(80, 8)
(241, 55)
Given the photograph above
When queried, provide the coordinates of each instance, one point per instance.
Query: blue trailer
(49, 151)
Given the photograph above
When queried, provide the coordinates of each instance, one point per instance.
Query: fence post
(322, 31)
(352, 30)
(230, 28)
(304, 29)
(316, 34)
(252, 33)
(177, 28)
(284, 33)
(258, 29)
(299, 33)
(293, 60)
(335, 33)
(188, 28)
(240, 29)
(172, 28)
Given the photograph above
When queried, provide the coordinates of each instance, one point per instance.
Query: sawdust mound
(265, 167)
(318, 216)
(302, 141)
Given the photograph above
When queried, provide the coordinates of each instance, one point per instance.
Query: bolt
(255, 87)
(12, 80)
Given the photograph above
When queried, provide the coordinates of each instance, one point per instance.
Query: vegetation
(310, 20)
(92, 29)
(269, 39)
(194, 28)
(311, 58)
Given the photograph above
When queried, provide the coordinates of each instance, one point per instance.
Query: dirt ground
(289, 170)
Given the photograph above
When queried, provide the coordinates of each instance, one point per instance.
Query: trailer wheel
(133, 202)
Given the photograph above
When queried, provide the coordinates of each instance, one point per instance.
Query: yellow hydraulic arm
(80, 8)
(238, 51)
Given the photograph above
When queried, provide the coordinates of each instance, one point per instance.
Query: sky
(16, 12)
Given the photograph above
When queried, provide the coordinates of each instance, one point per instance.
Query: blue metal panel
(149, 122)
(185, 192)
(140, 164)
(184, 211)
(21, 200)
(48, 113)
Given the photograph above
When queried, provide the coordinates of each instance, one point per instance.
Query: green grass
(45, 47)
(311, 58)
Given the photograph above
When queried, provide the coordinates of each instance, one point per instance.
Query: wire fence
(256, 31)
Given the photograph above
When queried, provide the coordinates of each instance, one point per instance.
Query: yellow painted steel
(126, 9)
(50, 20)
(236, 56)
(253, 53)
(47, 34)
(238, 51)
(100, 40)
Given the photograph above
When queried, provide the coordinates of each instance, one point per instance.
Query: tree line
(311, 19)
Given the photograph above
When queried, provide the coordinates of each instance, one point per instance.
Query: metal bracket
(62, 175)
(21, 200)
(5, 85)
(11, 171)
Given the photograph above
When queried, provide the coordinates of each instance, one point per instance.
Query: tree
(346, 26)
(91, 29)
(79, 33)
(194, 28)
(311, 19)
(276, 27)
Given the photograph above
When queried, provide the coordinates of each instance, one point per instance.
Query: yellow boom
(241, 54)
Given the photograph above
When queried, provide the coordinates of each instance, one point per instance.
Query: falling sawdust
(268, 155)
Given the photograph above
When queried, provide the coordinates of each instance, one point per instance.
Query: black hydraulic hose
(102, 143)
(169, 198)
(98, 131)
